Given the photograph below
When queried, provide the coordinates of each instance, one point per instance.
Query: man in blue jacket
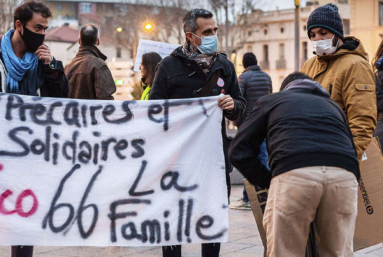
(313, 168)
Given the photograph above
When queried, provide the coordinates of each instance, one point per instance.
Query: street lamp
(119, 30)
(297, 19)
(148, 26)
(119, 82)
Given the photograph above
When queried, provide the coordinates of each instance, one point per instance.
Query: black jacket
(254, 83)
(178, 77)
(379, 101)
(53, 82)
(303, 127)
(379, 89)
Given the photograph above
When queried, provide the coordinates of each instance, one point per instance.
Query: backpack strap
(206, 90)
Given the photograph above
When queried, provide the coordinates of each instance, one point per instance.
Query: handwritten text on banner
(104, 173)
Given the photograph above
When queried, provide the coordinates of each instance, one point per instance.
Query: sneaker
(240, 205)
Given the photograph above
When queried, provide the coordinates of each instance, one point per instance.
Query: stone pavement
(244, 241)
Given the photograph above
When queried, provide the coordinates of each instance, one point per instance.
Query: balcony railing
(281, 64)
(265, 65)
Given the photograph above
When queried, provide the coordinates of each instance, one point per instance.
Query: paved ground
(244, 241)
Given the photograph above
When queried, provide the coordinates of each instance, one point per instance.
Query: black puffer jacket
(254, 83)
(178, 77)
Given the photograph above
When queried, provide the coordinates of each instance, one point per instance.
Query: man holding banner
(196, 69)
(27, 66)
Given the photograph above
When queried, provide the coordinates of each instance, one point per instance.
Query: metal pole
(227, 28)
(297, 19)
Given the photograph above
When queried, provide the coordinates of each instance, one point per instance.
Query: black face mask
(32, 40)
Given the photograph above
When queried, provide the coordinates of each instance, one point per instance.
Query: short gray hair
(190, 19)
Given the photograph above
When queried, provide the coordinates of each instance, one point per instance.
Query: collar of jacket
(359, 50)
(308, 86)
(87, 49)
(221, 58)
(143, 83)
(252, 67)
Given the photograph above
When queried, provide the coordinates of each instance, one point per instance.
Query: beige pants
(327, 195)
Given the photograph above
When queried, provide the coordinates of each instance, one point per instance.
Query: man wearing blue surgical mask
(197, 69)
(341, 67)
(206, 41)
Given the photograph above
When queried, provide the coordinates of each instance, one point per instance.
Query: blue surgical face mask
(209, 44)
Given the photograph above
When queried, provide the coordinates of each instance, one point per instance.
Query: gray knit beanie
(327, 17)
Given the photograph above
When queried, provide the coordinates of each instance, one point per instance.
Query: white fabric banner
(147, 46)
(111, 173)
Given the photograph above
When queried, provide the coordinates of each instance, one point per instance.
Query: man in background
(89, 76)
(254, 83)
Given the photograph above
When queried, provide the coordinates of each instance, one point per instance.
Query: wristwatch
(52, 64)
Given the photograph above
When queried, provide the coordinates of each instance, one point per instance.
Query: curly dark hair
(24, 12)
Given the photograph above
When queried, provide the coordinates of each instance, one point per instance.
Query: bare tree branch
(7, 8)
(241, 20)
(165, 16)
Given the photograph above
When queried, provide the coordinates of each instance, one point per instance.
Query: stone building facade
(270, 36)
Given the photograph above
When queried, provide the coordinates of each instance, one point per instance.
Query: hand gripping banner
(111, 173)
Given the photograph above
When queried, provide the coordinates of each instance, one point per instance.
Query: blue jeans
(264, 159)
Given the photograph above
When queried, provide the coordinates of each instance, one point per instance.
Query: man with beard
(27, 66)
(196, 69)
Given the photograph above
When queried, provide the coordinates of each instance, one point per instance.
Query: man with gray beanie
(341, 67)
(88, 75)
